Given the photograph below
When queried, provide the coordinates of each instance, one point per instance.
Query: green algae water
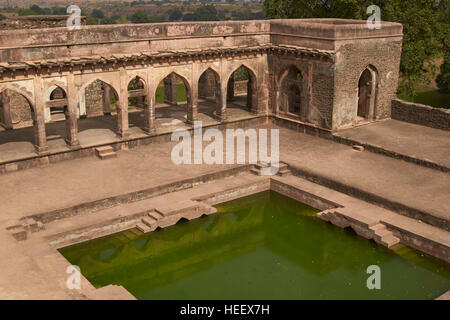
(265, 246)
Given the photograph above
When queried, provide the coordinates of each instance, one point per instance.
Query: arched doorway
(172, 101)
(56, 105)
(137, 102)
(294, 99)
(291, 101)
(367, 94)
(209, 96)
(20, 133)
(59, 123)
(98, 104)
(242, 90)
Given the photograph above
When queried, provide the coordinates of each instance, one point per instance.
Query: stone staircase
(170, 214)
(106, 152)
(283, 168)
(150, 222)
(365, 226)
(382, 235)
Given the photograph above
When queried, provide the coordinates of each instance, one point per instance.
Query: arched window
(291, 99)
(57, 105)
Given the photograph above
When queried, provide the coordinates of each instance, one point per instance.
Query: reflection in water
(264, 246)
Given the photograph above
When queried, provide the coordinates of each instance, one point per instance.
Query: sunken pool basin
(264, 246)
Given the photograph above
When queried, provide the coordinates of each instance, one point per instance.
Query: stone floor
(404, 138)
(72, 182)
(19, 143)
(396, 180)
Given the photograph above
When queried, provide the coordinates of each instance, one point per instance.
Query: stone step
(149, 221)
(382, 232)
(390, 240)
(256, 171)
(105, 152)
(284, 172)
(143, 228)
(108, 155)
(377, 227)
(156, 215)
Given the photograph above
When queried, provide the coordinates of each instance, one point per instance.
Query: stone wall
(94, 99)
(353, 57)
(240, 87)
(438, 118)
(317, 87)
(36, 22)
(20, 114)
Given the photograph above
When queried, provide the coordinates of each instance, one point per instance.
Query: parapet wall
(421, 114)
(36, 22)
(35, 44)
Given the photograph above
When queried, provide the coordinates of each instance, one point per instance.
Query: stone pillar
(71, 114)
(230, 88)
(106, 100)
(192, 107)
(252, 96)
(149, 113)
(38, 121)
(170, 89)
(222, 107)
(5, 110)
(140, 102)
(122, 106)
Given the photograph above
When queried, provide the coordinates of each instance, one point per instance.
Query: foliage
(142, 17)
(91, 21)
(2, 17)
(175, 14)
(424, 27)
(206, 13)
(96, 13)
(443, 79)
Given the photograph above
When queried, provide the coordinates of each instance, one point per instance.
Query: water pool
(265, 246)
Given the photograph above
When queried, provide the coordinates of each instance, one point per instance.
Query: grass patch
(432, 98)
(181, 93)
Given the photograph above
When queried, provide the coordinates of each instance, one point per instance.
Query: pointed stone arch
(291, 99)
(209, 89)
(367, 94)
(251, 87)
(170, 80)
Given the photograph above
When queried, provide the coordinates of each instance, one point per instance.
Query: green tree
(96, 13)
(423, 27)
(36, 9)
(59, 10)
(175, 14)
(443, 79)
(206, 13)
(189, 17)
(108, 20)
(2, 17)
(140, 17)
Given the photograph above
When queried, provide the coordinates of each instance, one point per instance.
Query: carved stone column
(38, 121)
(5, 109)
(106, 100)
(71, 114)
(122, 107)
